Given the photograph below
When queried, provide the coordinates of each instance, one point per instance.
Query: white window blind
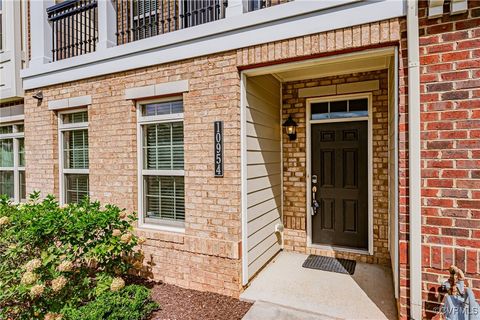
(76, 187)
(73, 127)
(163, 146)
(76, 149)
(162, 185)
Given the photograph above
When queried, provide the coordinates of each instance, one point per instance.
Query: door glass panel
(339, 109)
(358, 107)
(319, 111)
(338, 106)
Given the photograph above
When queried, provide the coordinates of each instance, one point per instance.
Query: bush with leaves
(131, 303)
(53, 257)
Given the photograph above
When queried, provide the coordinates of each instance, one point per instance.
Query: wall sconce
(290, 128)
(38, 96)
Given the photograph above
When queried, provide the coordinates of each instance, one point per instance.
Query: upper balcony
(75, 23)
(12, 49)
(79, 39)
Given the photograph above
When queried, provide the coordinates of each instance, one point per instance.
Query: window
(12, 161)
(73, 127)
(340, 109)
(161, 174)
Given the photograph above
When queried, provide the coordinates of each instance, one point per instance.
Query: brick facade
(294, 168)
(206, 257)
(450, 114)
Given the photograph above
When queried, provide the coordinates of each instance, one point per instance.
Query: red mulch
(185, 304)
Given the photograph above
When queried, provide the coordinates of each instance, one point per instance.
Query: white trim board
(370, 166)
(162, 89)
(299, 18)
(344, 88)
(81, 101)
(243, 174)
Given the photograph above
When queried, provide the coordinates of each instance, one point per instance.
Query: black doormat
(330, 264)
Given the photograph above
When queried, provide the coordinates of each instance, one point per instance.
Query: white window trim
(169, 226)
(16, 160)
(62, 128)
(309, 122)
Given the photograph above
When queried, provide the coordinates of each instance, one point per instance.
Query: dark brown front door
(339, 162)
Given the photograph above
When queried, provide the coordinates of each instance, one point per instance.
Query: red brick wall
(450, 114)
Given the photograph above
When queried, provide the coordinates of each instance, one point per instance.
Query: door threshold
(340, 249)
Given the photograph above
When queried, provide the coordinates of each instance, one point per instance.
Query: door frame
(309, 122)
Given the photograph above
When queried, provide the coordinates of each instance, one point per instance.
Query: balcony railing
(74, 28)
(75, 23)
(140, 19)
(262, 4)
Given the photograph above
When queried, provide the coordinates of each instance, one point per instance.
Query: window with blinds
(74, 134)
(6, 147)
(75, 146)
(7, 183)
(162, 160)
(76, 186)
(163, 146)
(144, 14)
(12, 162)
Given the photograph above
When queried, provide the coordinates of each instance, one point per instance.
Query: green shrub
(52, 256)
(131, 303)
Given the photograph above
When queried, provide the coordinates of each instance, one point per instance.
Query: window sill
(161, 227)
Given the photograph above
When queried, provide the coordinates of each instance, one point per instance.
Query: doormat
(330, 264)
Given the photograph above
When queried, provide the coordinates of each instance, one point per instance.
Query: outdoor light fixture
(38, 95)
(291, 128)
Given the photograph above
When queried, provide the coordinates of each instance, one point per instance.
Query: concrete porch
(286, 290)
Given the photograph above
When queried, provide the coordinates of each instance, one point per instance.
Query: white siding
(264, 167)
(392, 183)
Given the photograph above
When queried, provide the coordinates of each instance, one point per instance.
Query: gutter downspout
(414, 164)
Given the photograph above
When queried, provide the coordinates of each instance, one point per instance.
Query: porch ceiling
(335, 68)
(362, 61)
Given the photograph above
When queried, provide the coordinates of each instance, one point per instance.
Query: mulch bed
(186, 304)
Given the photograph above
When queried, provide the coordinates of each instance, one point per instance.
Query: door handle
(315, 204)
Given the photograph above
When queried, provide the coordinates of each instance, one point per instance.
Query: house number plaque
(218, 142)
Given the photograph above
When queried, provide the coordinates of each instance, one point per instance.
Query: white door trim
(243, 165)
(370, 167)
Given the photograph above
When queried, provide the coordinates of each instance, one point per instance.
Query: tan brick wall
(370, 34)
(294, 170)
(213, 230)
(207, 256)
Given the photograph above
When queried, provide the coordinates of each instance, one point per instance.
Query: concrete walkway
(262, 310)
(286, 290)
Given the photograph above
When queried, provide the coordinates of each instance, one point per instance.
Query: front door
(340, 175)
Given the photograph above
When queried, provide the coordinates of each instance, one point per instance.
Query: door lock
(315, 204)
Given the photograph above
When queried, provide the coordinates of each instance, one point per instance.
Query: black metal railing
(262, 4)
(74, 28)
(140, 19)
